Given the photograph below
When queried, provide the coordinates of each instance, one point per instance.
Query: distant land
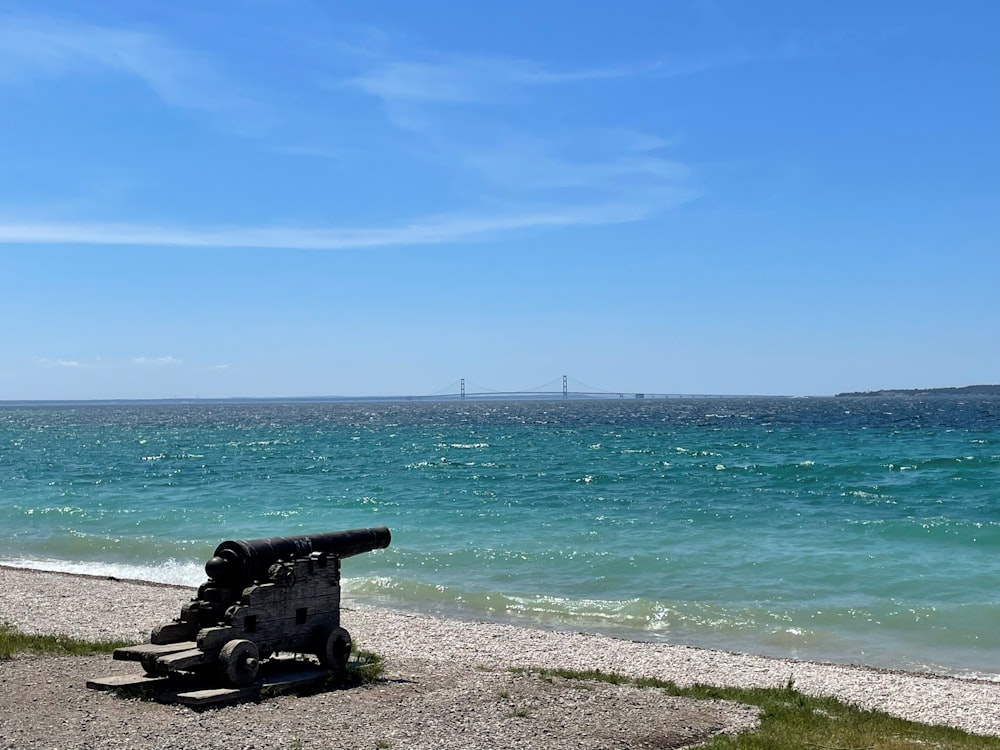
(966, 390)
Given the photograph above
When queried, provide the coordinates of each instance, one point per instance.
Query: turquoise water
(860, 530)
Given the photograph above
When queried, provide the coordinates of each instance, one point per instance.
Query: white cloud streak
(431, 231)
(452, 110)
(469, 79)
(60, 363)
(167, 361)
(541, 177)
(35, 47)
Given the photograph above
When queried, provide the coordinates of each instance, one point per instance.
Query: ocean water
(855, 530)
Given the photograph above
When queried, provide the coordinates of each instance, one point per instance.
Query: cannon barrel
(243, 561)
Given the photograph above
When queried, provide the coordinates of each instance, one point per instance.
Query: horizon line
(447, 397)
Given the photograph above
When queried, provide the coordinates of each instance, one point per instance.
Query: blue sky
(270, 198)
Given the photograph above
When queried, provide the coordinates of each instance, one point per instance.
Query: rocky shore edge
(448, 684)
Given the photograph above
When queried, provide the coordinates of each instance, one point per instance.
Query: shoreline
(98, 607)
(623, 633)
(350, 604)
(366, 609)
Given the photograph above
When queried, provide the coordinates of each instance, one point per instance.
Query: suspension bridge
(564, 388)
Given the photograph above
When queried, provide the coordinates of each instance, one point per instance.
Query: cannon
(262, 597)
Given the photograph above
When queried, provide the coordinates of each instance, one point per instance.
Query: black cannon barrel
(244, 561)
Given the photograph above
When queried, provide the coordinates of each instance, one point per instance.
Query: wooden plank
(183, 659)
(289, 678)
(119, 681)
(173, 632)
(135, 653)
(207, 696)
(214, 638)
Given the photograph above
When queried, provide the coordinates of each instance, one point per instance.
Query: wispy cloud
(608, 161)
(38, 47)
(125, 364)
(432, 230)
(469, 119)
(487, 119)
(466, 79)
(61, 363)
(166, 361)
(535, 176)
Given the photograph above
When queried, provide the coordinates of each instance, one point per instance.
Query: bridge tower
(463, 389)
(565, 387)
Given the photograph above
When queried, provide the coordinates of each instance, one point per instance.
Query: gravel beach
(447, 684)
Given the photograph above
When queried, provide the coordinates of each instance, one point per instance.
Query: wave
(692, 622)
(170, 571)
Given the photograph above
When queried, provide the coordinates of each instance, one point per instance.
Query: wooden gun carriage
(262, 597)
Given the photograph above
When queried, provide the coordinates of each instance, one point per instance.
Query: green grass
(365, 668)
(791, 720)
(13, 641)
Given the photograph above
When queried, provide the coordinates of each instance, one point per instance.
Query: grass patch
(13, 642)
(364, 668)
(791, 720)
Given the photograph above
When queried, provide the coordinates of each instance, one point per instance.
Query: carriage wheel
(149, 664)
(336, 650)
(239, 661)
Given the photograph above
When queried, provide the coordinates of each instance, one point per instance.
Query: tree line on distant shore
(966, 390)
